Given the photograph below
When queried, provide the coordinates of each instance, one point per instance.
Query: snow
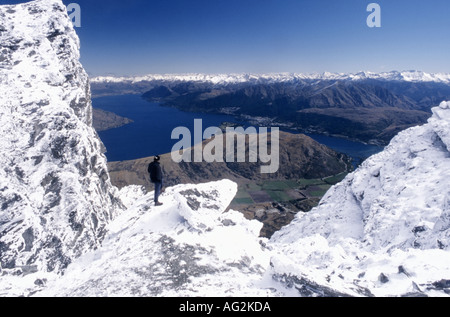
(383, 231)
(173, 250)
(392, 212)
(224, 79)
(55, 193)
(66, 231)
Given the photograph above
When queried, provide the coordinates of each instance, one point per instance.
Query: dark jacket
(155, 171)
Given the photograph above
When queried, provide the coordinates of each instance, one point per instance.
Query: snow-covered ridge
(384, 230)
(187, 247)
(386, 227)
(223, 79)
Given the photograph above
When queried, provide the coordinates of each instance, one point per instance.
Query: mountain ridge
(367, 107)
(407, 76)
(298, 156)
(65, 231)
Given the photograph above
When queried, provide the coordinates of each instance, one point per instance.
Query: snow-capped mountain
(365, 106)
(386, 227)
(224, 79)
(66, 231)
(55, 193)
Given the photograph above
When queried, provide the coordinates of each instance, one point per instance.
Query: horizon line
(306, 75)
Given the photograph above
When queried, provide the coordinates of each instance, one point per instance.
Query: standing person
(156, 177)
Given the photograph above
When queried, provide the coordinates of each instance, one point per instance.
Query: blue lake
(356, 150)
(150, 133)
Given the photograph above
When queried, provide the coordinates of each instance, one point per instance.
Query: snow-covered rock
(188, 247)
(386, 227)
(384, 230)
(55, 194)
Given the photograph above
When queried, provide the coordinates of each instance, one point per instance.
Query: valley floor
(275, 203)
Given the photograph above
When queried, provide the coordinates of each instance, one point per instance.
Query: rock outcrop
(55, 192)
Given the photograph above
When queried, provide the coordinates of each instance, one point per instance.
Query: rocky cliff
(55, 192)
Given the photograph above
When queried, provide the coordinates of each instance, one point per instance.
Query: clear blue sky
(258, 36)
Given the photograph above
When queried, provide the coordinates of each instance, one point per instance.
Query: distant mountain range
(221, 79)
(366, 106)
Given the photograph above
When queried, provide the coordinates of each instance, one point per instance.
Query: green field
(279, 196)
(309, 182)
(332, 180)
(279, 185)
(285, 190)
(243, 198)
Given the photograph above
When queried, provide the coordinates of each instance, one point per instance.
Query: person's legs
(158, 187)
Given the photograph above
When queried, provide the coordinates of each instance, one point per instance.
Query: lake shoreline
(127, 142)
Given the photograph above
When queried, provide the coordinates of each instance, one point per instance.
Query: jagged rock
(383, 278)
(55, 193)
(442, 285)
